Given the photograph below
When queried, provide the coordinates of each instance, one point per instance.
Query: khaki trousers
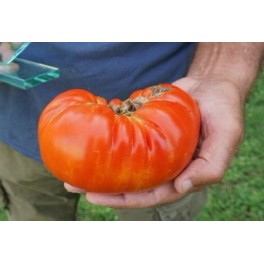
(29, 192)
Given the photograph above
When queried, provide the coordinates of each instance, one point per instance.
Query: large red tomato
(120, 146)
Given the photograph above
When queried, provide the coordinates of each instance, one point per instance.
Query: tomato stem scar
(129, 106)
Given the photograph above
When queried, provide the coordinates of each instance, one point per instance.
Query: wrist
(238, 63)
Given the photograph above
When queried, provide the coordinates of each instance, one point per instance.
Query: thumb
(215, 156)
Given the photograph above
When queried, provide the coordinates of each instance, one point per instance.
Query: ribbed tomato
(120, 146)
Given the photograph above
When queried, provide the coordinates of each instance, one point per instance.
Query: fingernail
(73, 189)
(186, 185)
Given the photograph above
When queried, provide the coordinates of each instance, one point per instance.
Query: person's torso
(111, 70)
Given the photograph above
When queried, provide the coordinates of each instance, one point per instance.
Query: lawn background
(240, 195)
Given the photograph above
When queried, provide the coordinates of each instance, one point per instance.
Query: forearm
(236, 62)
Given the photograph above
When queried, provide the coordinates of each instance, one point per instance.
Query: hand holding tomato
(221, 108)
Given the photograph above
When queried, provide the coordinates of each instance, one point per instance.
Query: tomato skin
(85, 143)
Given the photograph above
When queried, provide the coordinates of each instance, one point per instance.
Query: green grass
(240, 195)
(90, 212)
(2, 215)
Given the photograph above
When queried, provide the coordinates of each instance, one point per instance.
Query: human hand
(7, 49)
(221, 105)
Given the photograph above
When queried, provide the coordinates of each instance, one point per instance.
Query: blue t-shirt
(111, 70)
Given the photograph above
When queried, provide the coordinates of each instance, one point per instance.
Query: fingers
(161, 195)
(5, 51)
